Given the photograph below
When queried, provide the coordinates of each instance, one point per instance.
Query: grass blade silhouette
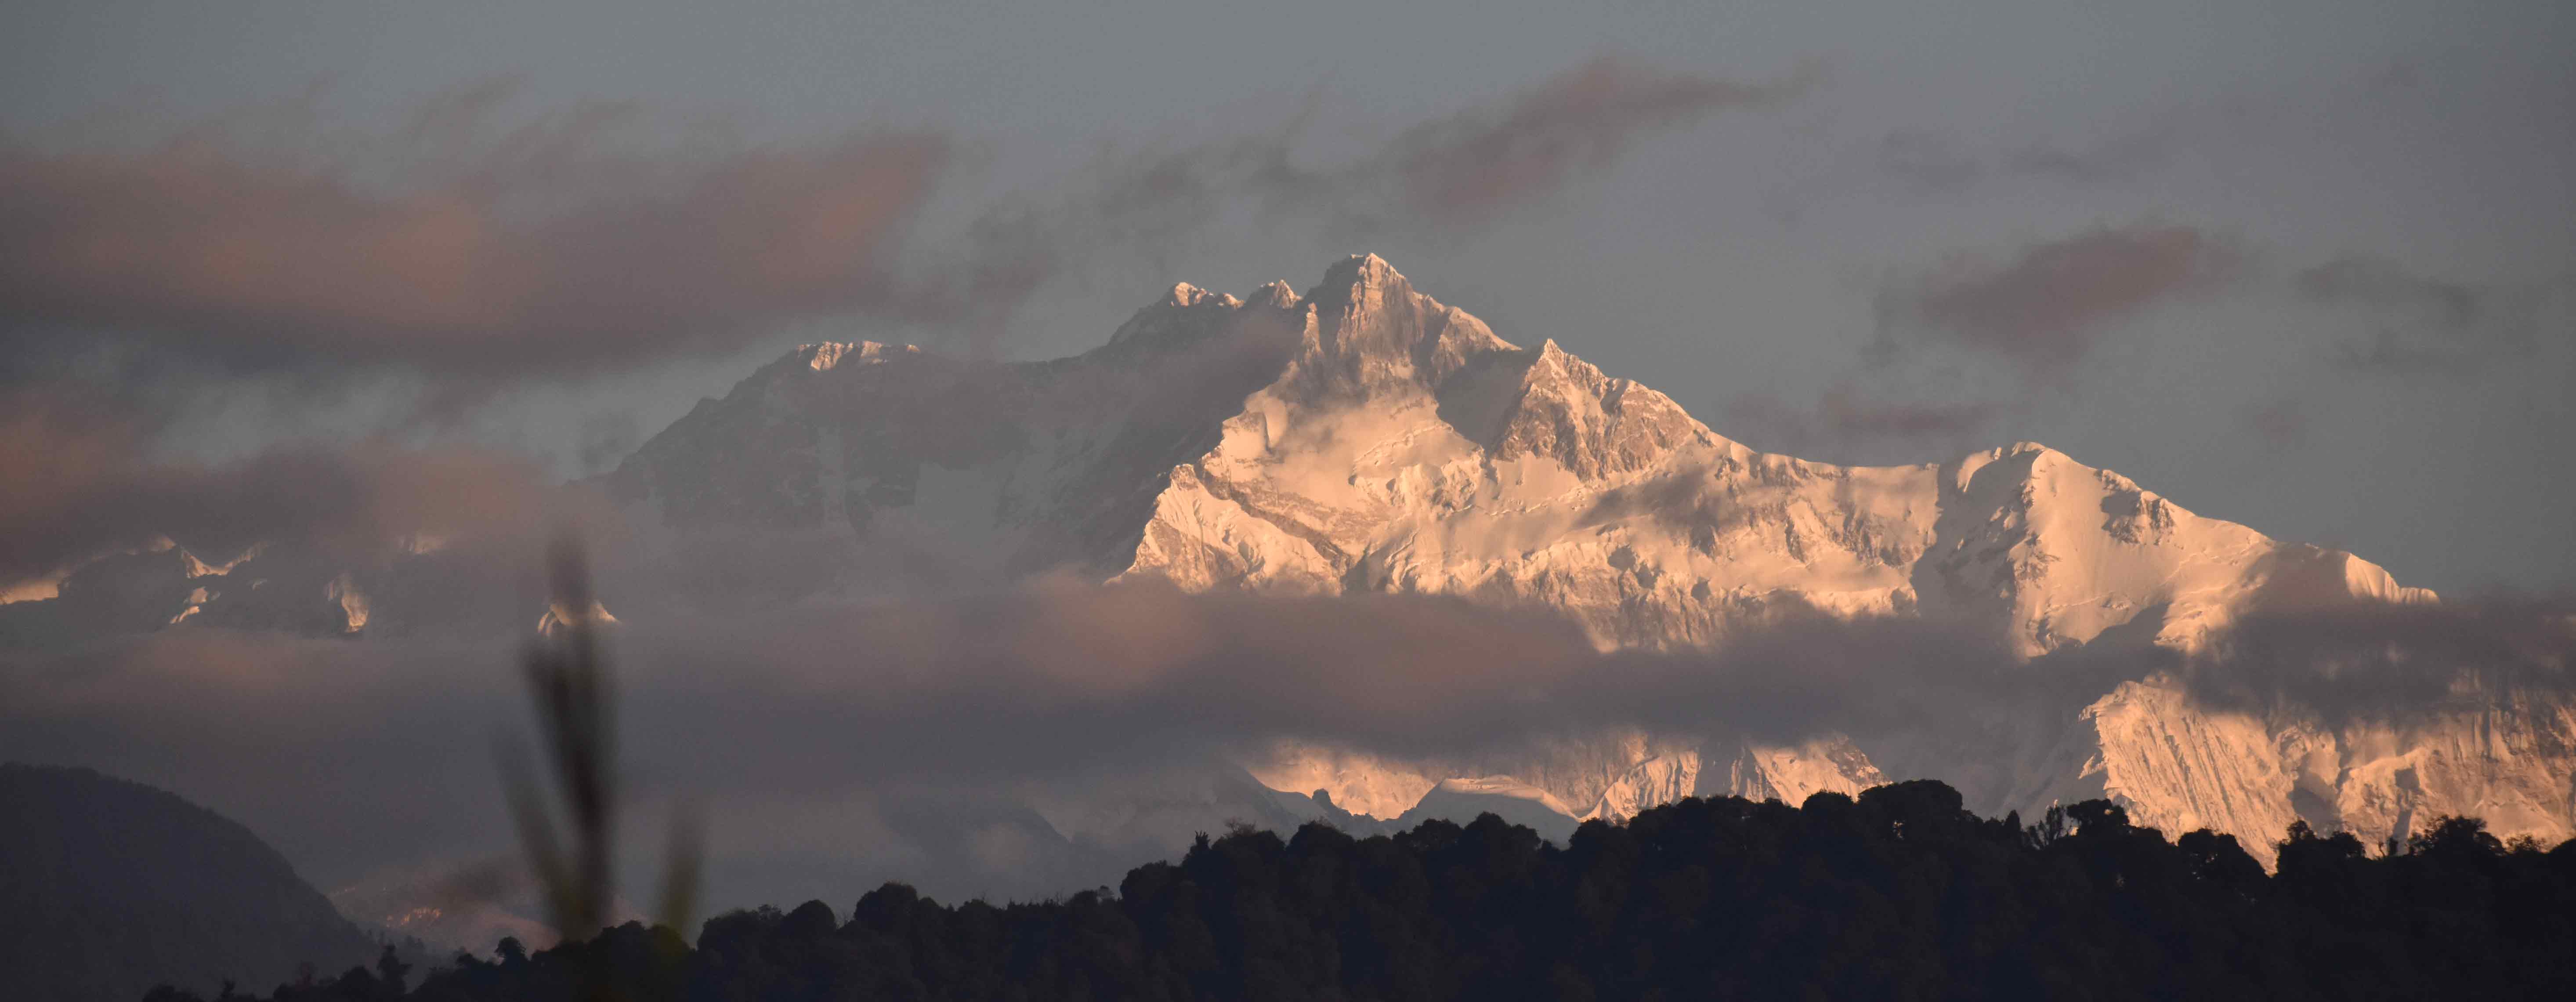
(572, 687)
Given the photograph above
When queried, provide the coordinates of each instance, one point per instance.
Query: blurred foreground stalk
(570, 680)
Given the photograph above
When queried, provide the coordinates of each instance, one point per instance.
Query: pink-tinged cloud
(1451, 173)
(1468, 166)
(2278, 423)
(1845, 414)
(546, 253)
(2045, 306)
(83, 483)
(2418, 324)
(491, 266)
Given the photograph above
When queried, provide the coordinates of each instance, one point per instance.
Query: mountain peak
(1363, 269)
(827, 355)
(1276, 295)
(1359, 284)
(1179, 314)
(1185, 294)
(1369, 326)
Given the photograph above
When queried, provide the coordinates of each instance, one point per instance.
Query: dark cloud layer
(83, 482)
(1845, 415)
(357, 754)
(2045, 306)
(2383, 284)
(1444, 176)
(1931, 162)
(1062, 675)
(375, 750)
(605, 439)
(2422, 324)
(2119, 158)
(456, 249)
(1454, 172)
(2279, 423)
(1466, 168)
(482, 267)
(2391, 663)
(1927, 161)
(878, 734)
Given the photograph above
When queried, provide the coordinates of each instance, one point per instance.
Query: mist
(879, 729)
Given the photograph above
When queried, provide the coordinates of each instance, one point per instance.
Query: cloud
(2383, 284)
(2044, 306)
(1934, 163)
(2393, 663)
(606, 438)
(893, 733)
(1466, 168)
(565, 246)
(1454, 172)
(1845, 414)
(2388, 352)
(2279, 423)
(2423, 324)
(344, 755)
(358, 754)
(1927, 161)
(1446, 175)
(1061, 675)
(2123, 157)
(498, 265)
(84, 482)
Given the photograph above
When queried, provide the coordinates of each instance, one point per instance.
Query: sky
(2305, 266)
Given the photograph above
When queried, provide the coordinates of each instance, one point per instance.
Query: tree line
(1899, 893)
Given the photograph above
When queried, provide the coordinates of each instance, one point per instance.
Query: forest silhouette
(1899, 893)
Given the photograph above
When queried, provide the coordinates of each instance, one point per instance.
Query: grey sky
(1742, 261)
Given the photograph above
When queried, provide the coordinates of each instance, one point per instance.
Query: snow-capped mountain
(1363, 437)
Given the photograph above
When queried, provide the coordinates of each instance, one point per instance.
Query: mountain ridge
(1363, 437)
(1369, 438)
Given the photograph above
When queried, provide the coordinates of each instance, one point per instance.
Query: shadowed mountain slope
(108, 888)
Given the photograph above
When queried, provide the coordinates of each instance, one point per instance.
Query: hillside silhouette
(112, 887)
(1897, 894)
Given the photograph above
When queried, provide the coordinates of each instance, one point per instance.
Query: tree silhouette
(1897, 893)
